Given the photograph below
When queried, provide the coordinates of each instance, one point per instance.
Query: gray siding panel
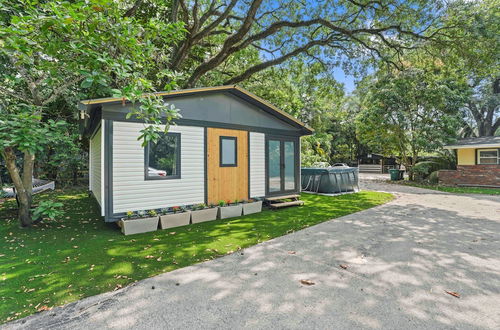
(96, 163)
(222, 108)
(131, 192)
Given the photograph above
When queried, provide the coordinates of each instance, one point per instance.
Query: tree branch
(59, 90)
(261, 66)
(230, 41)
(131, 11)
(495, 126)
(15, 95)
(195, 36)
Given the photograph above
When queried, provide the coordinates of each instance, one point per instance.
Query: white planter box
(230, 211)
(137, 226)
(250, 208)
(204, 215)
(175, 220)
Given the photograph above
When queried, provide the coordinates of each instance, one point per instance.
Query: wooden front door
(227, 173)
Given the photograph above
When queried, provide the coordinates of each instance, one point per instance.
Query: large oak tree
(333, 31)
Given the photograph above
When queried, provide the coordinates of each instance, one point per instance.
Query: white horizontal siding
(257, 164)
(96, 163)
(131, 192)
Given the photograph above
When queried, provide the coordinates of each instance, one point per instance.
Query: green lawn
(456, 190)
(79, 255)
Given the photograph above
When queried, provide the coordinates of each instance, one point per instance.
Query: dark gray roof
(491, 141)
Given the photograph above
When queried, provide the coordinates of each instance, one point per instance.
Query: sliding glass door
(282, 165)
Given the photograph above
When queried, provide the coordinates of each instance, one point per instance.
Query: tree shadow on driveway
(400, 257)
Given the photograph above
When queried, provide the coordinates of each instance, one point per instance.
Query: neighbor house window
(163, 158)
(228, 151)
(488, 156)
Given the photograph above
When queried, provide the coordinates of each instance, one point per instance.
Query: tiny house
(228, 145)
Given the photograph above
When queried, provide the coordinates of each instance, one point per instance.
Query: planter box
(137, 226)
(204, 215)
(230, 211)
(250, 208)
(175, 220)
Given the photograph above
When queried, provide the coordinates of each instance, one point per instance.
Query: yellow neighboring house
(478, 163)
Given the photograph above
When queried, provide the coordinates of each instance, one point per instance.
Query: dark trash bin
(396, 174)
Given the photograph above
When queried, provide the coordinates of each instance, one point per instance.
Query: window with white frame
(488, 157)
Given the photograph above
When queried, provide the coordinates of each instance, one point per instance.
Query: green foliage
(200, 206)
(222, 203)
(152, 213)
(48, 209)
(422, 170)
(409, 112)
(88, 256)
(434, 177)
(24, 130)
(56, 48)
(311, 94)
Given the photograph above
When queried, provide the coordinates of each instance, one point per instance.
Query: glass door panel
(289, 162)
(274, 165)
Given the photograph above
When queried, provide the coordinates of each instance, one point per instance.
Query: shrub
(434, 177)
(422, 170)
(48, 209)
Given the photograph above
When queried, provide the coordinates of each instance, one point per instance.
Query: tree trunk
(24, 196)
(75, 176)
(411, 174)
(28, 164)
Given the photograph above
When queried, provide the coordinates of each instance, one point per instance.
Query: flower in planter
(141, 214)
(130, 214)
(176, 209)
(152, 213)
(164, 211)
(222, 203)
(228, 202)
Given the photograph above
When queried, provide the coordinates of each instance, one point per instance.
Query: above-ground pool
(330, 180)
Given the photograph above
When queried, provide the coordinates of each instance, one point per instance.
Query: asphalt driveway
(400, 258)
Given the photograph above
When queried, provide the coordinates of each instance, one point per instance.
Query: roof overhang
(85, 105)
(472, 146)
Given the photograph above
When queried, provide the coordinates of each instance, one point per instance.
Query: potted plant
(202, 212)
(139, 222)
(252, 206)
(174, 217)
(228, 209)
